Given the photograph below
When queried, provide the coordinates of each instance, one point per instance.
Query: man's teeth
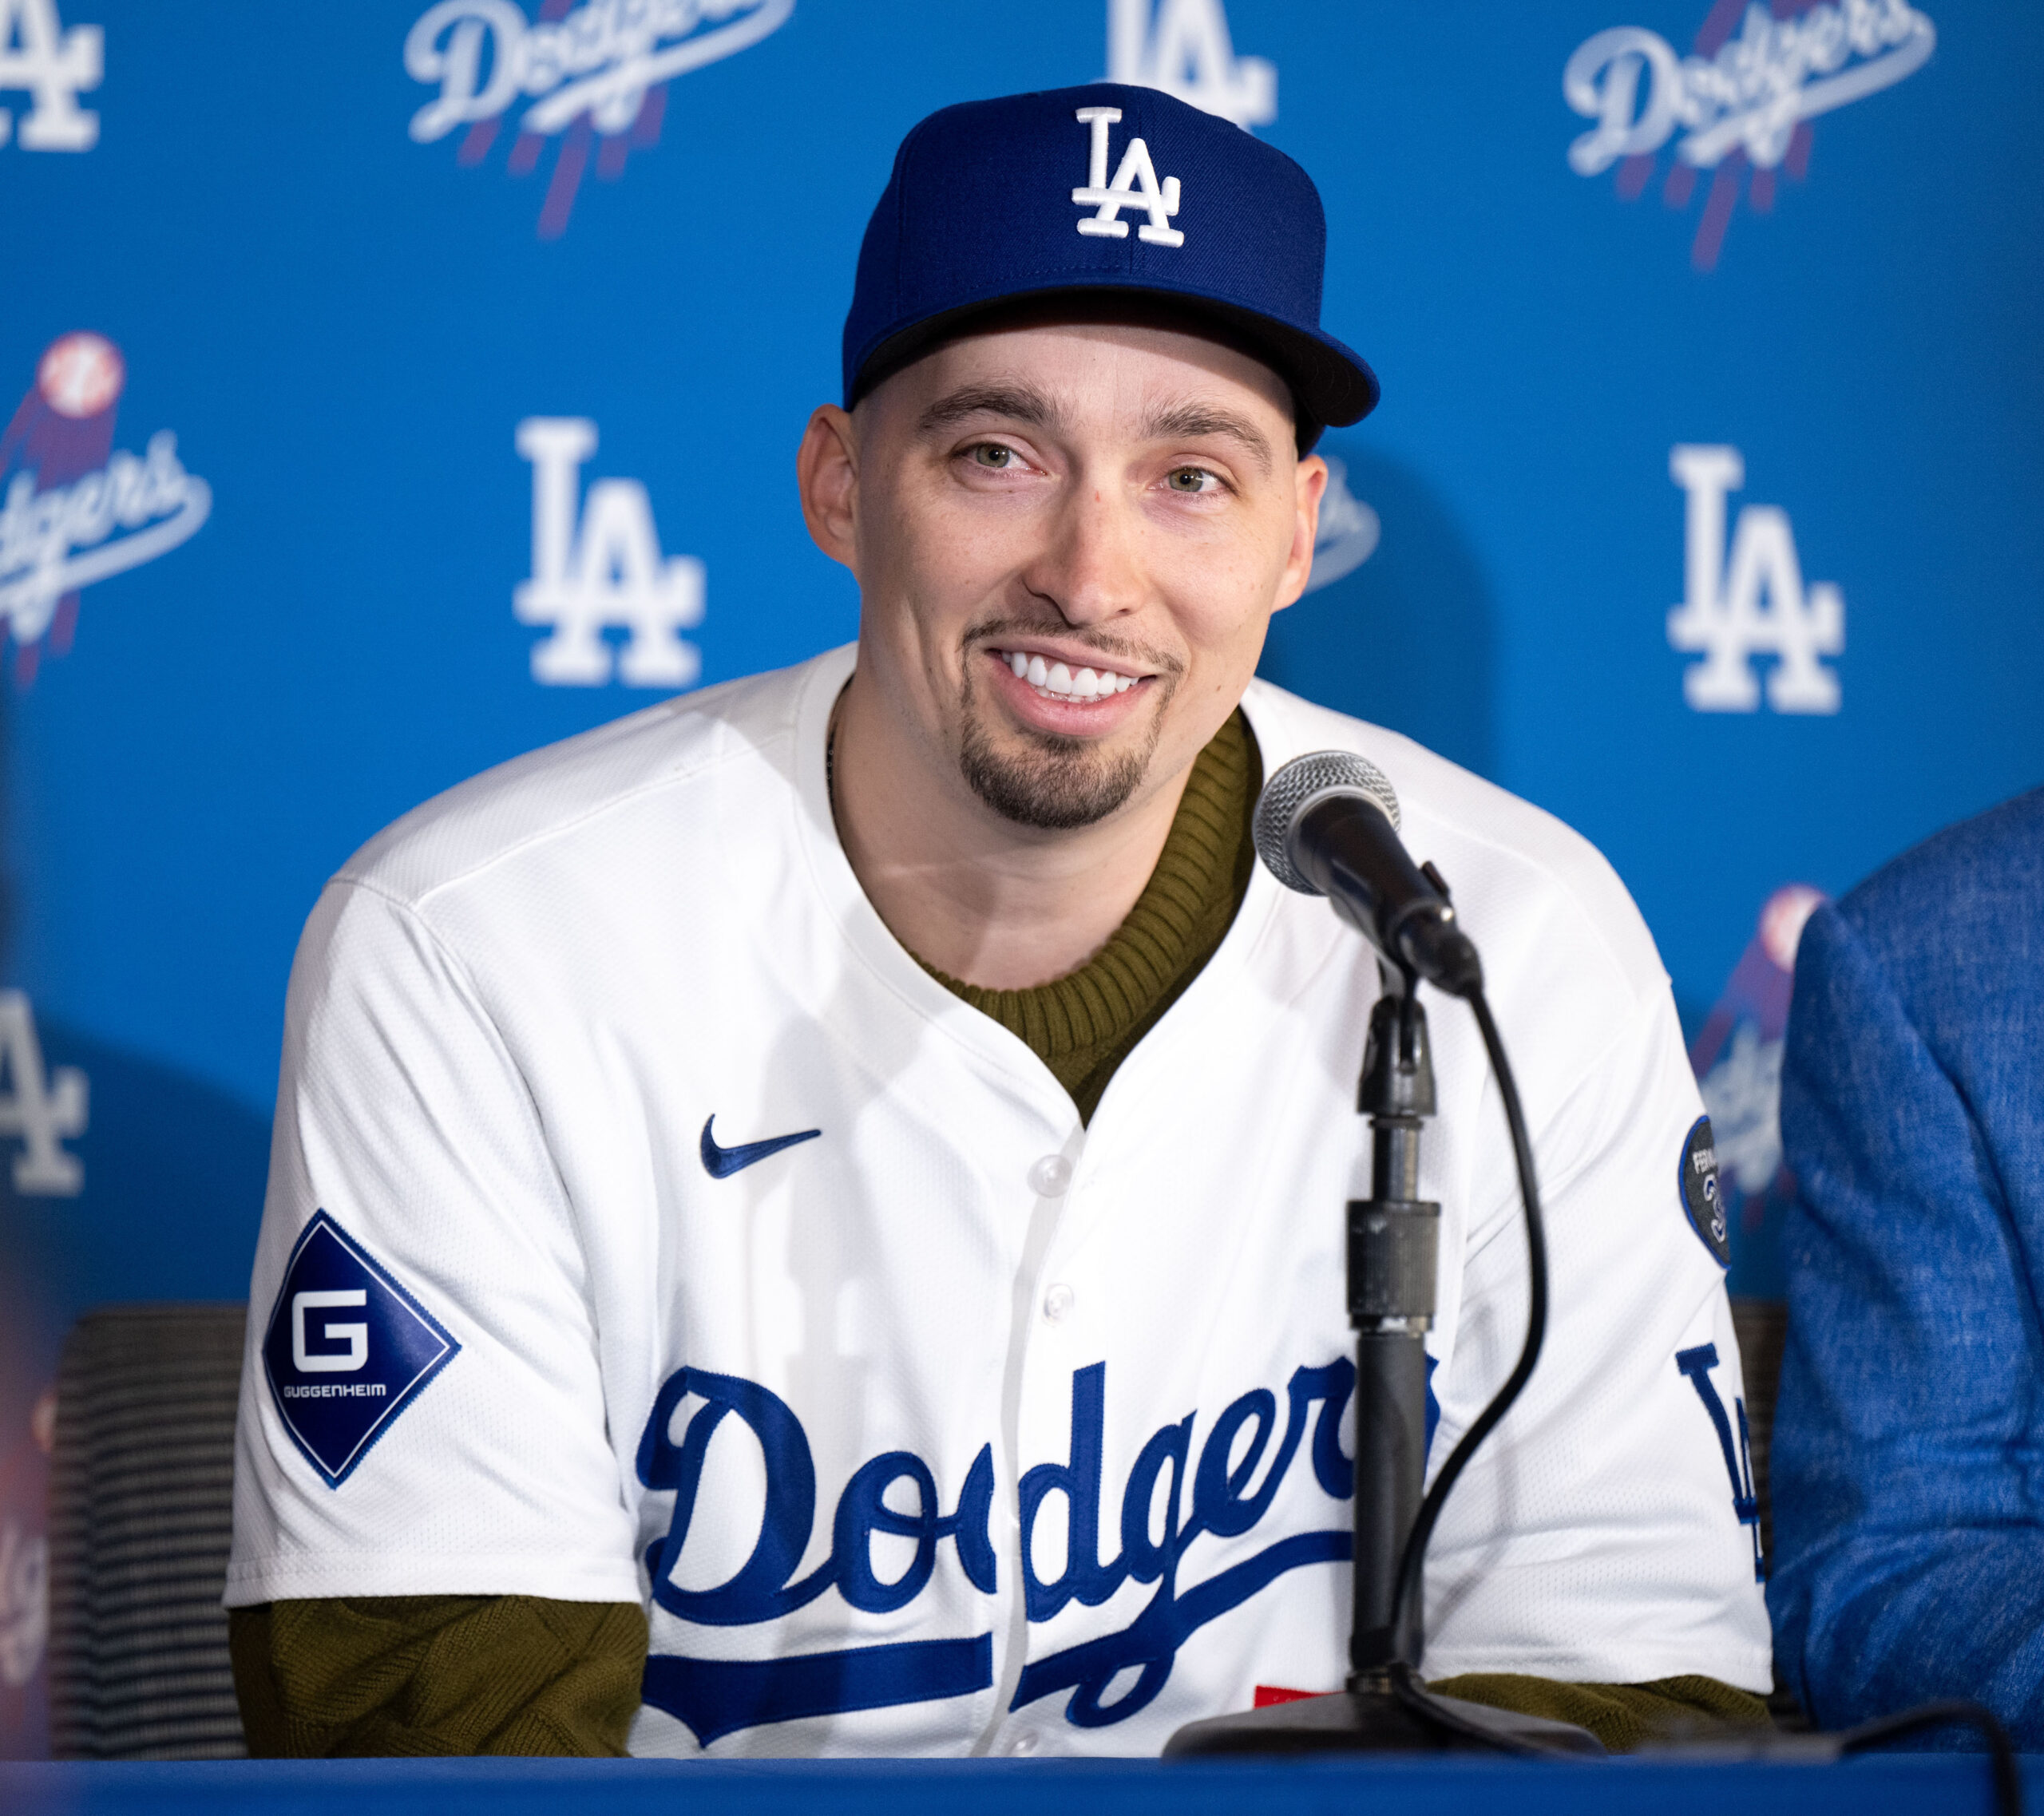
(1055, 678)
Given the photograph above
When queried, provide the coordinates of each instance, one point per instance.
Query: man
(1912, 1113)
(848, 1166)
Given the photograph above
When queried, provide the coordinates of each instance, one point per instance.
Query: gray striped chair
(141, 1502)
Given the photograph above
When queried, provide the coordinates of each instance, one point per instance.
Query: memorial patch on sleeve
(347, 1350)
(1701, 1196)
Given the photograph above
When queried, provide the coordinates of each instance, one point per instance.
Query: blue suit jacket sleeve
(1907, 1476)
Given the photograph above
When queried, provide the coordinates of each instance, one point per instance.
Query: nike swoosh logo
(721, 1163)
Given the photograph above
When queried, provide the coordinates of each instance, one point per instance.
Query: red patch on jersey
(1269, 1695)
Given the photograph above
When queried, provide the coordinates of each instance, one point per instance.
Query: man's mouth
(1059, 681)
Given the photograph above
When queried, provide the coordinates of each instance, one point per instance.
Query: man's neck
(973, 894)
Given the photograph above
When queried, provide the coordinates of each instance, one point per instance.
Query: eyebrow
(1189, 421)
(1021, 403)
(1024, 403)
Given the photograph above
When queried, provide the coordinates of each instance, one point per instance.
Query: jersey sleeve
(423, 1411)
(1606, 1532)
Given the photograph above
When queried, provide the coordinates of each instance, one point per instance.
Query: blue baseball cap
(1103, 189)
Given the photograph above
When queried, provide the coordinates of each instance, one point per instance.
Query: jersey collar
(830, 873)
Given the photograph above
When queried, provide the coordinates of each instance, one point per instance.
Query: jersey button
(1058, 1303)
(1050, 1175)
(1022, 1745)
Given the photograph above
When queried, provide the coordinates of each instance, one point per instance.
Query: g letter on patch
(1701, 1196)
(347, 1350)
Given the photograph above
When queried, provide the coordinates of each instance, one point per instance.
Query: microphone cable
(1409, 1605)
(1955, 1711)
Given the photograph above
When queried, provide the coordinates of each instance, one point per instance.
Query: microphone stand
(1392, 1260)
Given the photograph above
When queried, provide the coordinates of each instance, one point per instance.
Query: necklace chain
(830, 762)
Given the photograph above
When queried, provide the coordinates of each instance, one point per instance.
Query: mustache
(992, 630)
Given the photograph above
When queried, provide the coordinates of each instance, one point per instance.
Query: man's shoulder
(580, 790)
(1959, 885)
(1510, 863)
(1951, 931)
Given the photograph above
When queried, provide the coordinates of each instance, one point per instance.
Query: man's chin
(1051, 784)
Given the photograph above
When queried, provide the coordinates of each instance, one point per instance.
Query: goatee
(1056, 783)
(1052, 781)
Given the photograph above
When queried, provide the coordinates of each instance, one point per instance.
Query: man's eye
(992, 455)
(1189, 479)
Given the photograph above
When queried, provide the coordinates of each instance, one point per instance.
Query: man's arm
(1626, 1260)
(1624, 1716)
(407, 1579)
(1910, 1551)
(1601, 1535)
(417, 1676)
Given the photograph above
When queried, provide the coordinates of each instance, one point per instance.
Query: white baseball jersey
(645, 1223)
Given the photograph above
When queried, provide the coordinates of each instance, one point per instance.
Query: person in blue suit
(1908, 1461)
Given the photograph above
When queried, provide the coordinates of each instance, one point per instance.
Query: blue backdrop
(1677, 305)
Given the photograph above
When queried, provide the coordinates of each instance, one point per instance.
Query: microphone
(1327, 825)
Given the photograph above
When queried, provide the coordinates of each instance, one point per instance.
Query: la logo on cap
(1134, 186)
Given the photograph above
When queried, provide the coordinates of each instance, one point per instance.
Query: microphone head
(1297, 786)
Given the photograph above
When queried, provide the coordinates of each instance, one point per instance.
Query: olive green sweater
(1083, 1025)
(518, 1674)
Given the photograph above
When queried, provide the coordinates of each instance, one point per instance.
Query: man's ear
(1306, 526)
(827, 471)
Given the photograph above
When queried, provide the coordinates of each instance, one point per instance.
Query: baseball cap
(1103, 189)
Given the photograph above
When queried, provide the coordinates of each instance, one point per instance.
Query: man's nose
(1090, 566)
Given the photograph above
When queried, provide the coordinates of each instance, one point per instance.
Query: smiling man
(1070, 527)
(809, 1219)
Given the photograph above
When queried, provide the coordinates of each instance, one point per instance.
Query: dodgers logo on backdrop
(607, 572)
(347, 1349)
(1184, 47)
(1157, 1530)
(1751, 602)
(594, 74)
(39, 58)
(75, 511)
(24, 1602)
(1743, 104)
(1737, 1058)
(1738, 1052)
(1349, 530)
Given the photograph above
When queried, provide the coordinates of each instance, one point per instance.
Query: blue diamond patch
(347, 1350)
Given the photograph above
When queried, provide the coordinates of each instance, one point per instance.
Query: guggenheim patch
(347, 1350)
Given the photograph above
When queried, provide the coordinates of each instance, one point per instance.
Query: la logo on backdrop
(42, 1106)
(1749, 600)
(1742, 104)
(591, 74)
(74, 510)
(1184, 47)
(603, 570)
(39, 58)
